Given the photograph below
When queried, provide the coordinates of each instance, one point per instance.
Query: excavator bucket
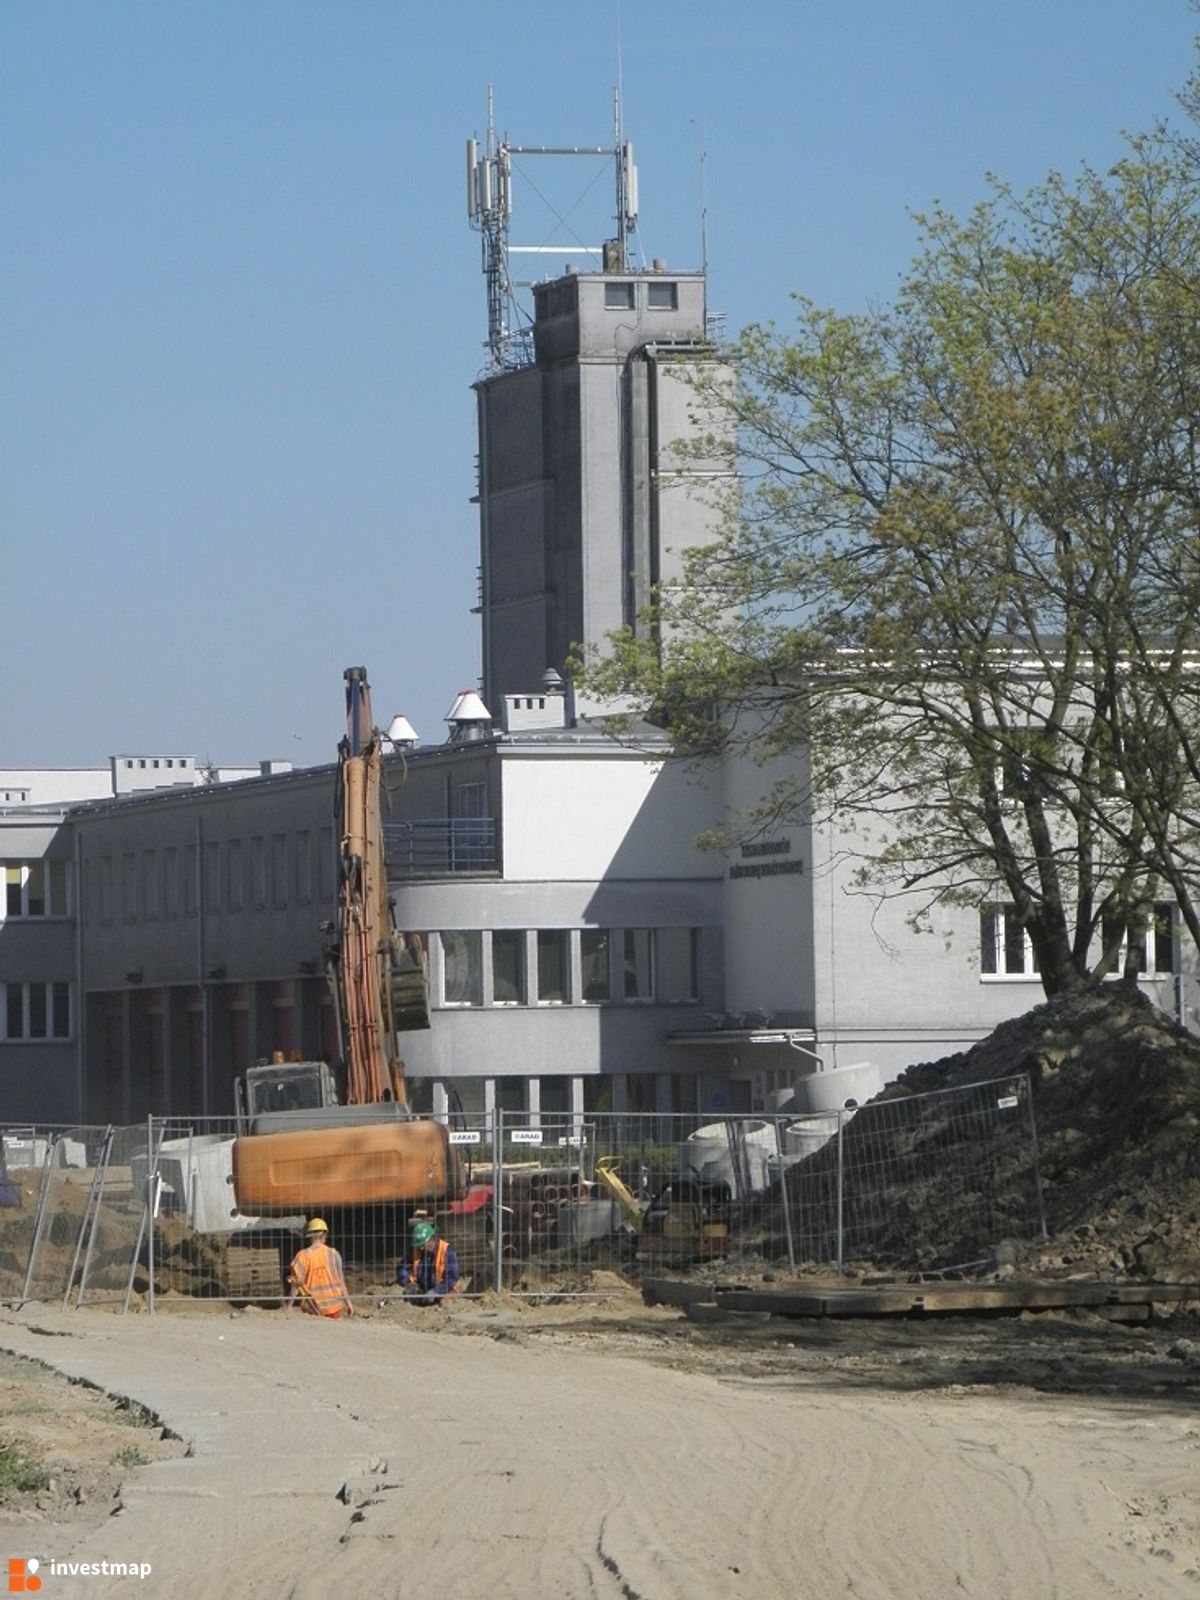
(409, 976)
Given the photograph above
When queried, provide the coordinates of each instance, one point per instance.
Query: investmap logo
(25, 1573)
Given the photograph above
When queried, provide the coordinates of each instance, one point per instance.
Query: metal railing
(442, 845)
(544, 1205)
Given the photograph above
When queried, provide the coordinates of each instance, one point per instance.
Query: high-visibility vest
(439, 1263)
(317, 1274)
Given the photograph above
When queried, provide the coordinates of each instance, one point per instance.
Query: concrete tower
(585, 499)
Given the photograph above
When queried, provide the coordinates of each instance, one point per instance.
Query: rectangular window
(191, 856)
(235, 879)
(508, 967)
(149, 886)
(327, 858)
(128, 886)
(663, 296)
(595, 975)
(462, 968)
(677, 965)
(258, 873)
(279, 883)
(1158, 954)
(1005, 949)
(304, 879)
(106, 889)
(170, 882)
(35, 888)
(637, 964)
(212, 876)
(553, 956)
(36, 1011)
(618, 296)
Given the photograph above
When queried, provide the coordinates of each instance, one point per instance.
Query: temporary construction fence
(543, 1205)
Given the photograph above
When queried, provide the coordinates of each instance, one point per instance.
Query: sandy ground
(612, 1451)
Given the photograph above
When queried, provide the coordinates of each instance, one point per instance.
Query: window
(663, 296)
(212, 876)
(37, 1011)
(128, 886)
(462, 968)
(170, 882)
(553, 956)
(35, 888)
(636, 964)
(677, 966)
(106, 889)
(1005, 949)
(258, 873)
(234, 875)
(1158, 954)
(327, 862)
(618, 296)
(191, 856)
(149, 886)
(279, 873)
(595, 976)
(304, 877)
(508, 967)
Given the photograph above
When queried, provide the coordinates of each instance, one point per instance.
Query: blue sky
(241, 308)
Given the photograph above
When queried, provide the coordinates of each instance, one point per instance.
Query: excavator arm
(379, 975)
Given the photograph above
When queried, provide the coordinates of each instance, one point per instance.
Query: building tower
(588, 491)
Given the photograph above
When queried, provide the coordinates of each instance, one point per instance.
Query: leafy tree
(960, 567)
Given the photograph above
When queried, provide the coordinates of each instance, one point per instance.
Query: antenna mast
(489, 211)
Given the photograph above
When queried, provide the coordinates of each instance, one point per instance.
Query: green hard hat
(422, 1232)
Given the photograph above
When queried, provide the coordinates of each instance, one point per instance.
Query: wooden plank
(902, 1299)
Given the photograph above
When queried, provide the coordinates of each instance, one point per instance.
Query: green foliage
(130, 1456)
(19, 1472)
(957, 592)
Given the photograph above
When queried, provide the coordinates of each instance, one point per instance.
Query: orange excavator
(312, 1141)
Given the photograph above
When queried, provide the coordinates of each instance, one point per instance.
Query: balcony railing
(429, 848)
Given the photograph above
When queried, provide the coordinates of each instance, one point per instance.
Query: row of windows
(238, 875)
(663, 296)
(565, 966)
(36, 888)
(1006, 950)
(37, 1011)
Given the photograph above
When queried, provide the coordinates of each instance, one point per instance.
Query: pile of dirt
(1116, 1095)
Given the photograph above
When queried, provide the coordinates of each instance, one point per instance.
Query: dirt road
(393, 1456)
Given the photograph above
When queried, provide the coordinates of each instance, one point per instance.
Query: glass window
(553, 952)
(662, 296)
(61, 1019)
(212, 876)
(555, 1098)
(13, 875)
(234, 875)
(170, 882)
(618, 296)
(595, 975)
(35, 889)
(637, 967)
(14, 1010)
(258, 873)
(508, 967)
(462, 968)
(677, 975)
(304, 879)
(279, 875)
(37, 1010)
(1004, 946)
(128, 886)
(327, 863)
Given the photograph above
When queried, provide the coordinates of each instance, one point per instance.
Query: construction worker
(432, 1272)
(318, 1278)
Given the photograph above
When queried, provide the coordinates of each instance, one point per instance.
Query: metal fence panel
(546, 1205)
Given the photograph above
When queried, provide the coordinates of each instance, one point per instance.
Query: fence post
(496, 1122)
(1037, 1171)
(151, 1173)
(783, 1195)
(841, 1116)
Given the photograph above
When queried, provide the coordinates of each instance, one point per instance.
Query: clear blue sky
(241, 309)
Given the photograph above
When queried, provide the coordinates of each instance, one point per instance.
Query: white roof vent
(401, 731)
(468, 717)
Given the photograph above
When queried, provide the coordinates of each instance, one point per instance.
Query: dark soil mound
(1116, 1092)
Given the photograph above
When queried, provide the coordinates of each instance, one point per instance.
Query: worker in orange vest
(432, 1272)
(318, 1278)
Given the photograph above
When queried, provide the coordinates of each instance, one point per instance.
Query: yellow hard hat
(317, 1226)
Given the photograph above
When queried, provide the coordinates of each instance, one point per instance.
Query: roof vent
(468, 717)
